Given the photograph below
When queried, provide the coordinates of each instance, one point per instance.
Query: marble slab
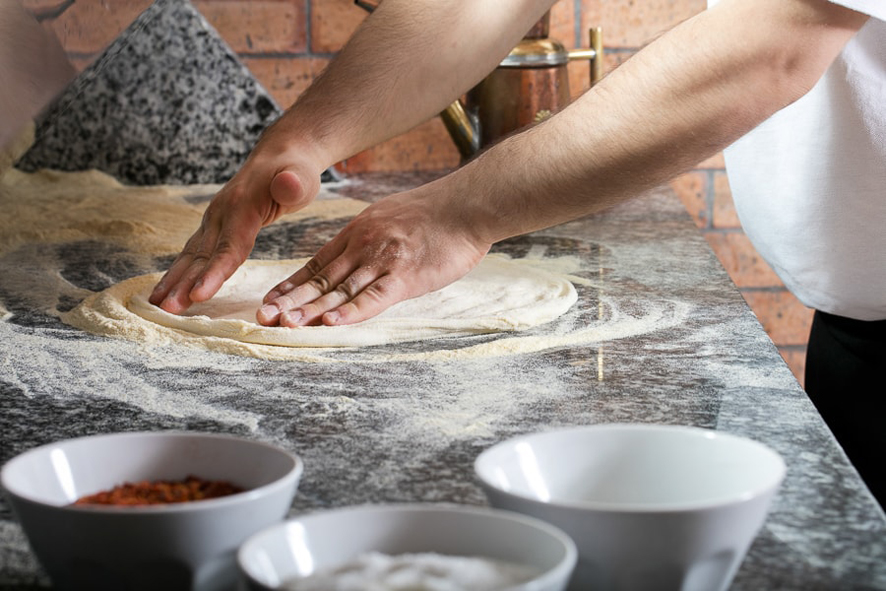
(659, 335)
(167, 103)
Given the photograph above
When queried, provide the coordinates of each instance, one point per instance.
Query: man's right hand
(401, 247)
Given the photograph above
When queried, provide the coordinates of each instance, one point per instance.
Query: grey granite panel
(676, 344)
(167, 103)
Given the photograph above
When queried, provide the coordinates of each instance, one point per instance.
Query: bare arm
(404, 65)
(686, 96)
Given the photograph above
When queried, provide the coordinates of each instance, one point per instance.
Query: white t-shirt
(809, 183)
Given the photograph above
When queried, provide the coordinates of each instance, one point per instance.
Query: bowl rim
(481, 471)
(568, 562)
(292, 474)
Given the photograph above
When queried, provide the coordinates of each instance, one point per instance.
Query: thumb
(291, 192)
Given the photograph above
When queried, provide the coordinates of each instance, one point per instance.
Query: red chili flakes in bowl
(161, 492)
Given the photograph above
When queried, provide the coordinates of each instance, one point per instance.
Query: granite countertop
(660, 334)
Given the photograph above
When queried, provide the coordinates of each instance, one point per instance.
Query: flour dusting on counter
(659, 334)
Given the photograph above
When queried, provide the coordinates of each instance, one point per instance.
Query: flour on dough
(500, 294)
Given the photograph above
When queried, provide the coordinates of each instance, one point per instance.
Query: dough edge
(120, 311)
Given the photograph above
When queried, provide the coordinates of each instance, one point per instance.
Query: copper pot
(530, 84)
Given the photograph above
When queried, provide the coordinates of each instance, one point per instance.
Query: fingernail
(292, 317)
(331, 317)
(269, 310)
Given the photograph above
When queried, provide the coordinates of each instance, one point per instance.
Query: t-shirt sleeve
(874, 8)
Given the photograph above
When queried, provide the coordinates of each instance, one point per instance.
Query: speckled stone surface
(167, 103)
(675, 343)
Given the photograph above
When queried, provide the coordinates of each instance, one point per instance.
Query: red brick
(285, 78)
(332, 24)
(714, 162)
(579, 78)
(258, 26)
(426, 147)
(784, 318)
(89, 26)
(724, 215)
(629, 23)
(796, 359)
(691, 188)
(563, 24)
(741, 261)
(80, 63)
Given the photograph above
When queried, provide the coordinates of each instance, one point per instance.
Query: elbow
(799, 58)
(793, 75)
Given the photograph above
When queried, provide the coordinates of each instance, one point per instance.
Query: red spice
(161, 492)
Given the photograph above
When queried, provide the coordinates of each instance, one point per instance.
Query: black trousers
(845, 364)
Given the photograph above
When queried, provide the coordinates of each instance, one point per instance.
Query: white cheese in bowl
(375, 571)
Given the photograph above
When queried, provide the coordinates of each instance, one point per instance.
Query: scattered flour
(50, 364)
(59, 362)
(59, 207)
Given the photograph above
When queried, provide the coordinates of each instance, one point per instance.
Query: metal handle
(367, 6)
(594, 54)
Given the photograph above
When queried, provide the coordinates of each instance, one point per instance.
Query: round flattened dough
(500, 294)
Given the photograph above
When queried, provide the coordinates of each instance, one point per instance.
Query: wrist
(481, 201)
(289, 141)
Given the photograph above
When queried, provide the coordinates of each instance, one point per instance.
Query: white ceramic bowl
(328, 539)
(649, 506)
(175, 546)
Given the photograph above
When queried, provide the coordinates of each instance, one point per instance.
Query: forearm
(688, 95)
(405, 64)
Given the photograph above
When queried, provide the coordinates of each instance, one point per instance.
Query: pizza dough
(52, 207)
(500, 294)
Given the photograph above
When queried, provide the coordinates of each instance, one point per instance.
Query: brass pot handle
(594, 54)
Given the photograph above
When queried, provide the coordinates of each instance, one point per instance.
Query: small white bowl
(328, 539)
(188, 546)
(650, 507)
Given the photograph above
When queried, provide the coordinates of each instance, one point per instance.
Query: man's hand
(267, 187)
(402, 80)
(399, 248)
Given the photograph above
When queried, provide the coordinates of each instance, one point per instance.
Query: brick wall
(286, 43)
